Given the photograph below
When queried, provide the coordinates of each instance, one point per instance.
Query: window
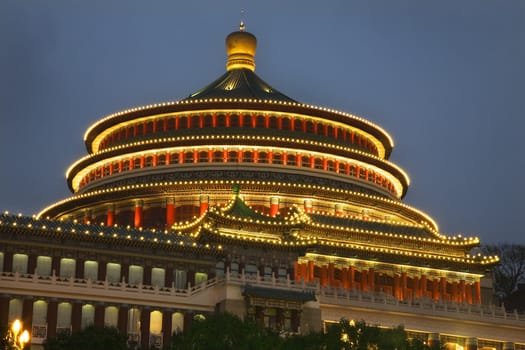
(64, 311)
(20, 263)
(155, 322)
(88, 316)
(39, 312)
(91, 270)
(135, 274)
(43, 266)
(15, 309)
(67, 268)
(177, 322)
(134, 321)
(200, 277)
(179, 279)
(158, 276)
(113, 272)
(111, 316)
(1, 262)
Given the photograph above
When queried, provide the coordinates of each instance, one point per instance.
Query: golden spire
(240, 47)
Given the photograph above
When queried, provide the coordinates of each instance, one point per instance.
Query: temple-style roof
(240, 83)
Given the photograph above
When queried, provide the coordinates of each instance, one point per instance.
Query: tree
(511, 269)
(225, 331)
(106, 338)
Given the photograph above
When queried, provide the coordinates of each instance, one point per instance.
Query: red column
(324, 276)
(170, 212)
(404, 286)
(462, 291)
(468, 291)
(435, 289)
(455, 291)
(312, 162)
(477, 293)
(364, 280)
(339, 209)
(415, 287)
(87, 217)
(443, 282)
(371, 279)
(344, 277)
(110, 216)
(308, 205)
(423, 286)
(331, 274)
(395, 289)
(296, 271)
(137, 222)
(311, 267)
(351, 277)
(274, 206)
(204, 204)
(299, 160)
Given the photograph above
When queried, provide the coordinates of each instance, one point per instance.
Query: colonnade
(138, 213)
(255, 156)
(234, 120)
(401, 285)
(144, 326)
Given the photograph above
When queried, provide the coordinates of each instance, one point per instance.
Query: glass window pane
(20, 263)
(158, 276)
(43, 265)
(67, 268)
(91, 270)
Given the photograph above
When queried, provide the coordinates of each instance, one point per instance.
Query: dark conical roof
(240, 83)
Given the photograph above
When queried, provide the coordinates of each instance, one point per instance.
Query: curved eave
(156, 144)
(142, 190)
(210, 104)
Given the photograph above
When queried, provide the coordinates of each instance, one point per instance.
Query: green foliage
(226, 331)
(106, 338)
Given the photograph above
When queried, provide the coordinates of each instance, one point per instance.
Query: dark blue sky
(445, 78)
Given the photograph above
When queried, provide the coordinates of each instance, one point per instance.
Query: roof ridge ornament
(240, 48)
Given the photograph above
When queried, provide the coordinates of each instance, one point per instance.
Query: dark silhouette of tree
(106, 338)
(511, 269)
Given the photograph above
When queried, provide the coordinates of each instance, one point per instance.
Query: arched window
(177, 322)
(263, 157)
(233, 156)
(194, 122)
(111, 316)
(310, 127)
(203, 157)
(208, 121)
(43, 266)
(20, 263)
(247, 157)
(273, 122)
(221, 121)
(64, 311)
(183, 122)
(188, 157)
(261, 121)
(286, 124)
(234, 121)
(217, 156)
(88, 316)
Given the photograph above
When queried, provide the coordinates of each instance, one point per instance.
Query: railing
(338, 296)
(325, 295)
